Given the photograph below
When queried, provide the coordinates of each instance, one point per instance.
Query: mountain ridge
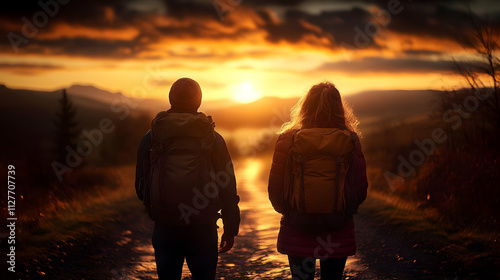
(372, 107)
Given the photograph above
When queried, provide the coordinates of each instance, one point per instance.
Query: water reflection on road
(254, 255)
(260, 224)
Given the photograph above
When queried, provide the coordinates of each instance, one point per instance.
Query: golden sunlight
(245, 93)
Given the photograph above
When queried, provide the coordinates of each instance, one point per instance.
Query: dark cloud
(93, 14)
(358, 26)
(276, 2)
(423, 53)
(88, 13)
(87, 47)
(117, 15)
(292, 28)
(343, 25)
(385, 65)
(184, 9)
(338, 27)
(200, 20)
(29, 65)
(384, 3)
(425, 19)
(435, 21)
(28, 68)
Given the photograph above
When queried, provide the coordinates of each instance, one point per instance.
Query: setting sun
(245, 93)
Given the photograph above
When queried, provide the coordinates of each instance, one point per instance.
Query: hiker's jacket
(315, 242)
(227, 199)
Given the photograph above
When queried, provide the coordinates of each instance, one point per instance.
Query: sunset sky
(235, 49)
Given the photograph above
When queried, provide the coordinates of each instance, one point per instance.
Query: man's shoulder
(146, 139)
(219, 138)
(147, 135)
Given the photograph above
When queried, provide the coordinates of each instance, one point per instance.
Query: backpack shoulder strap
(292, 139)
(289, 177)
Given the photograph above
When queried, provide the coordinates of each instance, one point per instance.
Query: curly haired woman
(322, 108)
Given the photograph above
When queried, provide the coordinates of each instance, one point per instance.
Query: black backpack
(180, 186)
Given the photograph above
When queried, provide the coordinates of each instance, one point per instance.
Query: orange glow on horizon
(228, 64)
(245, 93)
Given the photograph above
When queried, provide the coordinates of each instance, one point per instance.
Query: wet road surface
(121, 249)
(254, 255)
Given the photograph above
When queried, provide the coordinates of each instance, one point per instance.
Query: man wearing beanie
(185, 177)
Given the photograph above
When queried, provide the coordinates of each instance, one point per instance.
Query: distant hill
(37, 109)
(94, 93)
(374, 108)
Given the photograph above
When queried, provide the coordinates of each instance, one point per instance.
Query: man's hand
(226, 243)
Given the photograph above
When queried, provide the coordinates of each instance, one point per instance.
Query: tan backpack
(317, 166)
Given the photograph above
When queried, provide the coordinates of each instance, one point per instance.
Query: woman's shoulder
(354, 135)
(283, 142)
(357, 143)
(286, 134)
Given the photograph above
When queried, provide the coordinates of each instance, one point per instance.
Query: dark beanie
(185, 93)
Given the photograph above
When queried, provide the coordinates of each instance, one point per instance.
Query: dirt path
(122, 248)
(389, 252)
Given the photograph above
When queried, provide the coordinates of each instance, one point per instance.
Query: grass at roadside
(426, 224)
(79, 219)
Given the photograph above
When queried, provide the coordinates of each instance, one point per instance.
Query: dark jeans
(197, 244)
(303, 268)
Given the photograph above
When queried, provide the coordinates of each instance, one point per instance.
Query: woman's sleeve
(357, 182)
(277, 174)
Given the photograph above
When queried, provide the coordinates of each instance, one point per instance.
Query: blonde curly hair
(322, 106)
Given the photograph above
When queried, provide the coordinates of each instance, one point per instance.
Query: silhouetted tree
(482, 75)
(462, 180)
(66, 132)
